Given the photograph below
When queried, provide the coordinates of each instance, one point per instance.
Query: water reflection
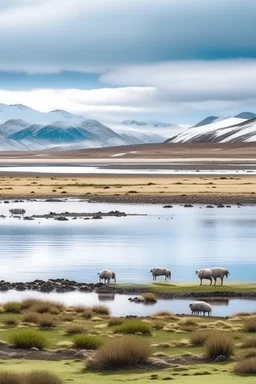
(106, 296)
(131, 246)
(121, 306)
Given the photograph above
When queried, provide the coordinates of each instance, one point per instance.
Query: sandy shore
(133, 188)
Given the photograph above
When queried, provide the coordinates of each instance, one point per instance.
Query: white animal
(161, 272)
(200, 306)
(219, 272)
(107, 275)
(205, 273)
(17, 211)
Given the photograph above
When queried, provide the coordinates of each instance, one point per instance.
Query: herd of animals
(198, 307)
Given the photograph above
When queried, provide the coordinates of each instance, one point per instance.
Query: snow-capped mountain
(30, 115)
(23, 128)
(221, 130)
(155, 124)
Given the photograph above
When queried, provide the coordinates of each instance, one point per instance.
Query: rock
(28, 218)
(20, 287)
(97, 217)
(4, 288)
(188, 206)
(220, 206)
(220, 358)
(61, 218)
(158, 363)
(167, 206)
(34, 349)
(209, 206)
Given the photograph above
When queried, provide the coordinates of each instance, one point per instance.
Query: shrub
(42, 377)
(120, 353)
(87, 342)
(163, 314)
(250, 324)
(28, 338)
(149, 297)
(12, 307)
(247, 366)
(45, 306)
(80, 308)
(249, 342)
(28, 303)
(46, 321)
(134, 326)
(101, 310)
(66, 317)
(31, 317)
(7, 377)
(250, 352)
(219, 344)
(87, 314)
(11, 321)
(158, 324)
(115, 321)
(188, 322)
(200, 337)
(75, 329)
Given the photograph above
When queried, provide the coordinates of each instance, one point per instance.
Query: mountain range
(23, 128)
(213, 129)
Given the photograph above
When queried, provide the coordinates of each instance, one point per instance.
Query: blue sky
(171, 60)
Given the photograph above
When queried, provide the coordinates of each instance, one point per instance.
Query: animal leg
(200, 281)
(211, 282)
(214, 280)
(221, 280)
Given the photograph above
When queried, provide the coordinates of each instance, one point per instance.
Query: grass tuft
(250, 324)
(46, 321)
(31, 317)
(42, 377)
(28, 338)
(249, 342)
(12, 307)
(87, 342)
(100, 310)
(11, 321)
(113, 321)
(75, 329)
(149, 297)
(128, 351)
(133, 327)
(247, 366)
(219, 344)
(7, 377)
(200, 337)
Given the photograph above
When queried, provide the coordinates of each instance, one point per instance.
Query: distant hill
(240, 128)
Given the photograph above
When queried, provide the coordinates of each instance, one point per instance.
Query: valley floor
(160, 189)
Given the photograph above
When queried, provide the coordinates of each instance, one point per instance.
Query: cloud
(97, 35)
(191, 81)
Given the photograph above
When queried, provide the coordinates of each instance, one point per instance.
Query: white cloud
(93, 35)
(191, 81)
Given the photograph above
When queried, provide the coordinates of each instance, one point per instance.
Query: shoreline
(162, 290)
(187, 199)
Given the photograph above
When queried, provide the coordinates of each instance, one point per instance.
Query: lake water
(149, 170)
(182, 239)
(121, 306)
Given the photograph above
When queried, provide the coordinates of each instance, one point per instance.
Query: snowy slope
(19, 111)
(217, 131)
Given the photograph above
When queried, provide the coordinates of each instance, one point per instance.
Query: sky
(176, 61)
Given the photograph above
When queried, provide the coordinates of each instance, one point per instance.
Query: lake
(182, 239)
(121, 306)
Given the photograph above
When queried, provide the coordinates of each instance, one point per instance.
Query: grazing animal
(161, 272)
(17, 211)
(219, 272)
(106, 275)
(200, 306)
(205, 273)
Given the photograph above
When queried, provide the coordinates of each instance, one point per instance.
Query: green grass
(193, 287)
(28, 338)
(73, 372)
(130, 327)
(87, 341)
